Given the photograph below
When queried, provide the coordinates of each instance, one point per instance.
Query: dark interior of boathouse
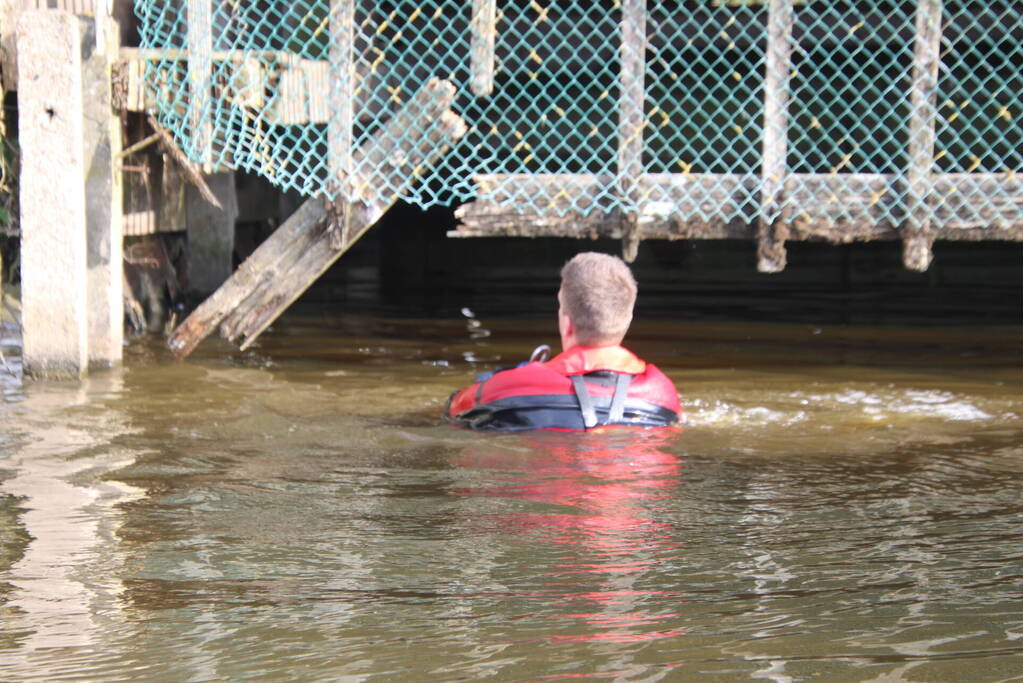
(408, 265)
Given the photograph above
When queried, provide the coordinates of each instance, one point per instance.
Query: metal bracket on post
(631, 120)
(771, 228)
(918, 237)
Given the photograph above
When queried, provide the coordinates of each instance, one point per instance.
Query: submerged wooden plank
(284, 266)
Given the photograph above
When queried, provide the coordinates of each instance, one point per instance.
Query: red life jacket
(582, 388)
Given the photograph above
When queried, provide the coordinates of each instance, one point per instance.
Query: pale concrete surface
(53, 242)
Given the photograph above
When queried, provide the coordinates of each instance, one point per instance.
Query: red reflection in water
(612, 484)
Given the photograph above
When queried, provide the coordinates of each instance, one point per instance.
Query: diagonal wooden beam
(299, 251)
(191, 171)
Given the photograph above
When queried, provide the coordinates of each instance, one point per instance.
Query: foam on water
(844, 405)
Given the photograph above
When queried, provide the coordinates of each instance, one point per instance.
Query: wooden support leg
(481, 55)
(918, 236)
(631, 120)
(298, 252)
(211, 233)
(771, 230)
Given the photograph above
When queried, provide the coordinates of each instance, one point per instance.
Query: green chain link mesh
(554, 107)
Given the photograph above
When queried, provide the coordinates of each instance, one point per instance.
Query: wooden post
(481, 53)
(630, 119)
(771, 229)
(210, 230)
(342, 117)
(918, 237)
(200, 75)
(53, 225)
(291, 259)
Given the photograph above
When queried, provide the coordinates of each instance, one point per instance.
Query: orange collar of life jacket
(580, 360)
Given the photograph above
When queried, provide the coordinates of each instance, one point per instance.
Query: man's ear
(566, 328)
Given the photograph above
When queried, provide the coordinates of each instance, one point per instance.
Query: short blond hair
(597, 294)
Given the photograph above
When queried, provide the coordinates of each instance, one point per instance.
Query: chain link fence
(858, 122)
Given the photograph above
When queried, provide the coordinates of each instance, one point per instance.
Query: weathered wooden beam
(631, 120)
(190, 170)
(918, 233)
(836, 208)
(340, 126)
(291, 259)
(842, 208)
(771, 231)
(483, 27)
(674, 206)
(977, 201)
(200, 78)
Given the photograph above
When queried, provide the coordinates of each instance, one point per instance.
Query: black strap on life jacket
(617, 410)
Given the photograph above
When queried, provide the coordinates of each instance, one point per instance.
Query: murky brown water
(844, 504)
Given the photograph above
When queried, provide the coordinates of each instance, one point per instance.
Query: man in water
(593, 382)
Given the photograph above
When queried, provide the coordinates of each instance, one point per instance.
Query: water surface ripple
(842, 504)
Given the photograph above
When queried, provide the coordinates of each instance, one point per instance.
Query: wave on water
(716, 412)
(845, 405)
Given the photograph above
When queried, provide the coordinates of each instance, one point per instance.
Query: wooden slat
(844, 207)
(340, 125)
(918, 233)
(978, 202)
(317, 87)
(289, 102)
(630, 117)
(200, 74)
(770, 232)
(483, 28)
(138, 223)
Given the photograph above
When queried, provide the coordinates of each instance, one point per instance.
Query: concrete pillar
(53, 243)
(211, 234)
(103, 202)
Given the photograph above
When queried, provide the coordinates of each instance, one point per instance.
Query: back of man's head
(597, 293)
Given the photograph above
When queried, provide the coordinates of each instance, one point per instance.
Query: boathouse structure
(762, 120)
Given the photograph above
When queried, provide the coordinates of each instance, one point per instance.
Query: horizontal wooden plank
(243, 78)
(975, 201)
(830, 207)
(138, 223)
(849, 207)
